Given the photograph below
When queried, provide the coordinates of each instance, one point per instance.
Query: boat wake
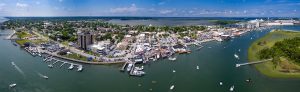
(43, 76)
(18, 68)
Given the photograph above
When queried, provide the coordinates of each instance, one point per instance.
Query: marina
(215, 64)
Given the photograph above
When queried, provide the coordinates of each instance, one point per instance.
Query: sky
(152, 8)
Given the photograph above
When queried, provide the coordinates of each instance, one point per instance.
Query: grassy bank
(269, 68)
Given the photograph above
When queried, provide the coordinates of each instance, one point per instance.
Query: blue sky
(157, 8)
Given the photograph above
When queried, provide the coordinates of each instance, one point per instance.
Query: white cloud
(165, 11)
(131, 9)
(21, 5)
(60, 0)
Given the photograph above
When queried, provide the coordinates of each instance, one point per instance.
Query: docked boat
(172, 87)
(12, 85)
(39, 54)
(236, 56)
(138, 73)
(80, 68)
(157, 56)
(231, 88)
(139, 68)
(50, 66)
(71, 67)
(172, 58)
(129, 67)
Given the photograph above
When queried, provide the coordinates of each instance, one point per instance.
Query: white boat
(172, 87)
(157, 56)
(172, 58)
(129, 67)
(231, 88)
(197, 67)
(139, 68)
(239, 50)
(236, 56)
(13, 63)
(45, 77)
(138, 73)
(50, 66)
(80, 68)
(174, 71)
(12, 85)
(221, 83)
(71, 67)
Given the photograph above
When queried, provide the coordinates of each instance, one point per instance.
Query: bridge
(250, 63)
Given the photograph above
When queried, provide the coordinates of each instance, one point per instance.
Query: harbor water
(216, 63)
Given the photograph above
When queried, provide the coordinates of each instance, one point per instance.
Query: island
(281, 50)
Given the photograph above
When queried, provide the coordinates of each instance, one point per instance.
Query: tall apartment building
(85, 38)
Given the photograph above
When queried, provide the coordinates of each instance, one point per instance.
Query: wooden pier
(250, 63)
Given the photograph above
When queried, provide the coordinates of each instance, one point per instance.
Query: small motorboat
(13, 63)
(236, 56)
(248, 80)
(50, 66)
(45, 77)
(197, 67)
(221, 83)
(231, 88)
(174, 71)
(172, 58)
(172, 87)
(12, 85)
(80, 68)
(71, 67)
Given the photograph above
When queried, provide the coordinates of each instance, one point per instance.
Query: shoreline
(267, 69)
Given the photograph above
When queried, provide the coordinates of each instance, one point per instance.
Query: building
(85, 38)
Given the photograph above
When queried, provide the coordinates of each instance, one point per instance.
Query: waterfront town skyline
(153, 8)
